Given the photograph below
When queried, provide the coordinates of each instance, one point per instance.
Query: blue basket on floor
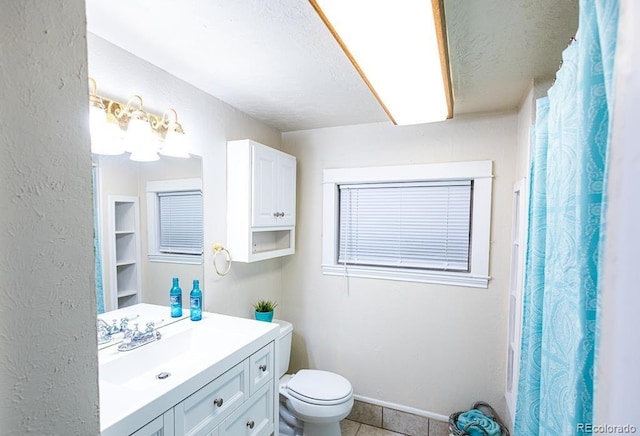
(486, 410)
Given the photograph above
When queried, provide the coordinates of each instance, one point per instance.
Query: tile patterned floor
(353, 428)
(371, 420)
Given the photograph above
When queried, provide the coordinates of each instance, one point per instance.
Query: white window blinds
(406, 225)
(180, 222)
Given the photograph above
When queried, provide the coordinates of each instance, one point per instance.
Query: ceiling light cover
(399, 49)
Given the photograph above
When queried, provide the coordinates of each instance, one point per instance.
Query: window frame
(153, 244)
(480, 172)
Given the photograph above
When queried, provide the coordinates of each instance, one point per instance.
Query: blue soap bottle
(175, 299)
(195, 298)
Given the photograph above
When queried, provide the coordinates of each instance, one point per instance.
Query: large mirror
(126, 273)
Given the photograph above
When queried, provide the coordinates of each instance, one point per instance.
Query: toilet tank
(286, 329)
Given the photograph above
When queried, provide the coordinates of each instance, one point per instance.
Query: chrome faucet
(103, 332)
(135, 338)
(106, 331)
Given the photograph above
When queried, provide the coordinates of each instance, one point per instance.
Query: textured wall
(48, 357)
(209, 123)
(432, 347)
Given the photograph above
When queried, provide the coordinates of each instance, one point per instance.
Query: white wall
(431, 347)
(526, 120)
(48, 350)
(618, 379)
(208, 123)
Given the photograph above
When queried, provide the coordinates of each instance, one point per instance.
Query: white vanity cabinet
(239, 402)
(261, 201)
(218, 378)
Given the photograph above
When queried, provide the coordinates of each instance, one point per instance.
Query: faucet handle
(150, 326)
(103, 332)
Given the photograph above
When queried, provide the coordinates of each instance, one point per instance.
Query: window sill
(405, 275)
(187, 259)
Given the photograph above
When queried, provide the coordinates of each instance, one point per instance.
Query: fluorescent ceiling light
(399, 48)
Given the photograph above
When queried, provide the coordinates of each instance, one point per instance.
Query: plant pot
(264, 316)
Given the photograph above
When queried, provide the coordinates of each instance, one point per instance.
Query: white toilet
(312, 402)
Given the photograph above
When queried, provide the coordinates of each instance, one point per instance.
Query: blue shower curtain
(96, 247)
(566, 231)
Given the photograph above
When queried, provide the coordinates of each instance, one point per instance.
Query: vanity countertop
(193, 353)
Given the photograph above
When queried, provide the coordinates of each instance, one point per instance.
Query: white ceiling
(276, 61)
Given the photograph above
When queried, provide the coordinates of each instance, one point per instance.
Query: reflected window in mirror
(174, 215)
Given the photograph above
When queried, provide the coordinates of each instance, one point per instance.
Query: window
(174, 210)
(425, 223)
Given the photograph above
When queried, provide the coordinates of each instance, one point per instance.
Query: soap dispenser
(175, 299)
(195, 298)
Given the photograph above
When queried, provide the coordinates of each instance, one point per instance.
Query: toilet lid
(319, 387)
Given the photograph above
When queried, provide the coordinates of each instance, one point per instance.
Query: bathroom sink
(181, 350)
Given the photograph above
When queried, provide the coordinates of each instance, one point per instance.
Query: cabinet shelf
(126, 262)
(124, 247)
(127, 293)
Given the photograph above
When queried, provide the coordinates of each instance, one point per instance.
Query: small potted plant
(264, 310)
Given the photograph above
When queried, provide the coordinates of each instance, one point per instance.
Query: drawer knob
(262, 368)
(250, 424)
(218, 402)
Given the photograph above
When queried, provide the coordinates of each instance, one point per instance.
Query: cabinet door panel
(261, 368)
(264, 187)
(253, 418)
(286, 190)
(198, 414)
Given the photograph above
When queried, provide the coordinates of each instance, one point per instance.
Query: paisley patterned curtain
(565, 235)
(96, 247)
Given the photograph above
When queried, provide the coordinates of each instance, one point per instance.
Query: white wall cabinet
(230, 405)
(261, 201)
(124, 248)
(273, 190)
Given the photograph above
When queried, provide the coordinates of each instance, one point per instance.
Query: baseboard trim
(402, 408)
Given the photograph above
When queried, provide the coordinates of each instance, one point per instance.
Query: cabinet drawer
(261, 364)
(254, 418)
(199, 413)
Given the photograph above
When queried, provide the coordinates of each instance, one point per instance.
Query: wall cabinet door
(286, 190)
(264, 186)
(273, 187)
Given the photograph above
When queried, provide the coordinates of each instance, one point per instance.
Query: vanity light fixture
(399, 48)
(173, 143)
(105, 132)
(118, 127)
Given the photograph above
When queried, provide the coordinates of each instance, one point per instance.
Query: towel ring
(217, 249)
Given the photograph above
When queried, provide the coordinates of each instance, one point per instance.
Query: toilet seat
(320, 388)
